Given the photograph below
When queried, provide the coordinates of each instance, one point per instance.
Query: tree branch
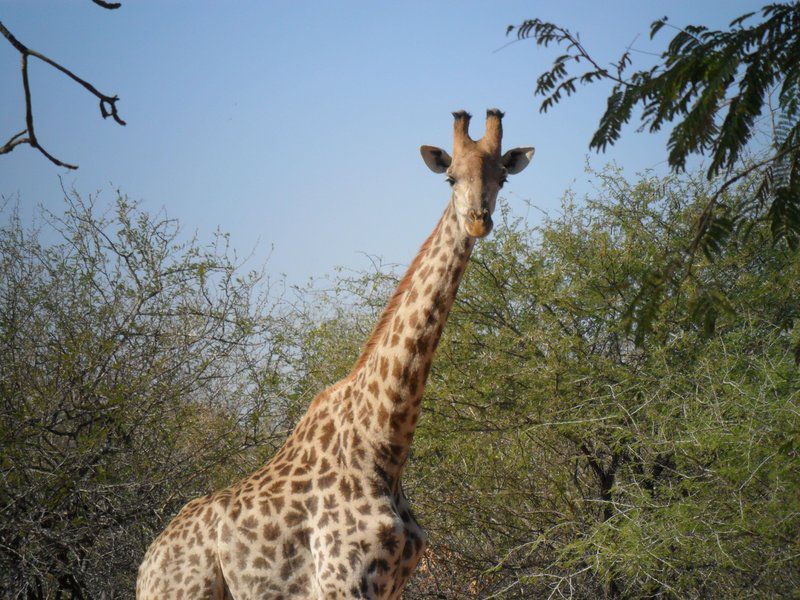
(545, 32)
(108, 104)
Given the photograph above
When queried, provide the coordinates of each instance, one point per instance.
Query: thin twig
(15, 140)
(576, 43)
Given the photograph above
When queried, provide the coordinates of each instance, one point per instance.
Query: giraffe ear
(437, 159)
(517, 159)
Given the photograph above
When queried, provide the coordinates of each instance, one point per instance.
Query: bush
(138, 371)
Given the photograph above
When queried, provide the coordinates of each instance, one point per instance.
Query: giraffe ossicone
(326, 517)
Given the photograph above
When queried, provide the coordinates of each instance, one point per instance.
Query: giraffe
(327, 517)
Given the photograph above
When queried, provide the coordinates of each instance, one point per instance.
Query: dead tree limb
(108, 104)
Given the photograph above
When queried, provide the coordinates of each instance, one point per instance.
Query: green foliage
(713, 88)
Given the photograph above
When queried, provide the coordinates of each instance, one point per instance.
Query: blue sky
(295, 126)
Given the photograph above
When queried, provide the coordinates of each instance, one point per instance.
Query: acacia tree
(712, 87)
(108, 103)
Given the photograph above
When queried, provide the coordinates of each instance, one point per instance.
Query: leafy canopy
(715, 88)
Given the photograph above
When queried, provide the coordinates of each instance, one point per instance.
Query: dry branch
(108, 104)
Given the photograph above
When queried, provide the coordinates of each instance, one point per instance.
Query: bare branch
(108, 104)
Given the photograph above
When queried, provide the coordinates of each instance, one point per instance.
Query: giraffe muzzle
(479, 224)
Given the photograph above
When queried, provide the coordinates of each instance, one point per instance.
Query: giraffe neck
(389, 378)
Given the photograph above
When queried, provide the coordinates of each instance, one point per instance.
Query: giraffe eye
(502, 181)
(450, 180)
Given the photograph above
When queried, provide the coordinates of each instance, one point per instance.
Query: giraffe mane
(391, 307)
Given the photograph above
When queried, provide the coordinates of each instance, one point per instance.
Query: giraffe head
(477, 170)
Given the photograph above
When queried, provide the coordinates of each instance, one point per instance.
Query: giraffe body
(326, 517)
